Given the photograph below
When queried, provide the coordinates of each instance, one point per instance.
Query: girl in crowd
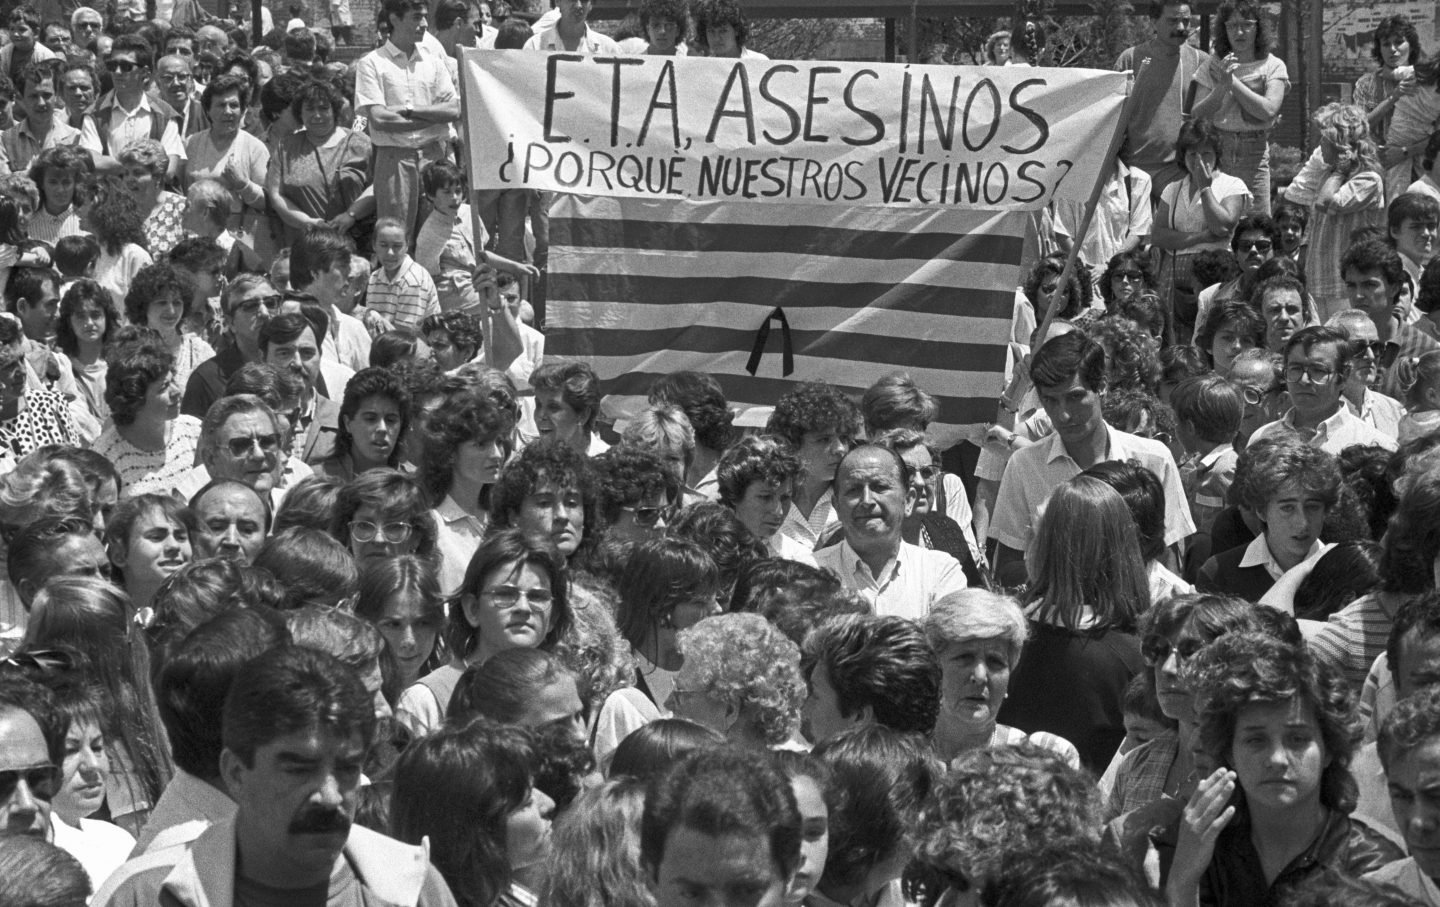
(757, 479)
(148, 539)
(595, 854)
(1228, 330)
(667, 585)
(162, 212)
(59, 174)
(382, 513)
(401, 597)
(467, 443)
(227, 153)
(88, 321)
(515, 594)
(1035, 295)
(470, 792)
(1088, 589)
(1195, 214)
(740, 677)
(978, 636)
(29, 417)
(524, 687)
(810, 783)
(374, 415)
(1281, 727)
(115, 217)
(94, 619)
(147, 439)
(567, 403)
(1342, 185)
(1250, 85)
(160, 298)
(1396, 49)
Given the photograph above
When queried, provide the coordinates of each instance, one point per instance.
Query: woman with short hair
(383, 513)
(149, 442)
(227, 153)
(145, 164)
(160, 298)
(567, 404)
(321, 173)
(374, 416)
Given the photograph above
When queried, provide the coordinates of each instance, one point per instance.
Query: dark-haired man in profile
(1069, 375)
(296, 726)
(720, 829)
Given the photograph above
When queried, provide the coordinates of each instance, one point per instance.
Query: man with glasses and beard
(296, 727)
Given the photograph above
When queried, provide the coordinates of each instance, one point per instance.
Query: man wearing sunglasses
(242, 440)
(127, 114)
(247, 304)
(1254, 242)
(32, 747)
(637, 492)
(1381, 412)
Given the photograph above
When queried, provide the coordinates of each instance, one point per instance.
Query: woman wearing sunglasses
(515, 595)
(637, 493)
(149, 442)
(383, 513)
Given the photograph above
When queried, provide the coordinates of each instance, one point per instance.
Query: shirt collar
(394, 52)
(1114, 446)
(1211, 458)
(1326, 428)
(853, 564)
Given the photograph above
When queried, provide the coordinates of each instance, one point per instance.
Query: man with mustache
(1164, 93)
(295, 727)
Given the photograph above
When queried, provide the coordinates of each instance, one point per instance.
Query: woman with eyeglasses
(88, 321)
(927, 524)
(1173, 632)
(149, 442)
(467, 441)
(383, 513)
(374, 415)
(757, 477)
(160, 298)
(515, 594)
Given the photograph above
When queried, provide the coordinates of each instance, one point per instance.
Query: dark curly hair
(1270, 463)
(81, 292)
(372, 382)
(1264, 38)
(1121, 261)
(547, 461)
(763, 458)
(699, 395)
(137, 359)
(1076, 301)
(674, 10)
(462, 328)
(814, 406)
(1241, 669)
(317, 92)
(626, 475)
(115, 216)
(993, 802)
(1132, 356)
(713, 13)
(467, 414)
(153, 283)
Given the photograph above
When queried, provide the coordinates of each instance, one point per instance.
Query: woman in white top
(227, 153)
(118, 223)
(160, 298)
(1250, 84)
(1196, 214)
(147, 439)
(757, 480)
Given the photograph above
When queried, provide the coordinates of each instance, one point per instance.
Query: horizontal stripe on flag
(755, 238)
(959, 325)
(872, 349)
(776, 291)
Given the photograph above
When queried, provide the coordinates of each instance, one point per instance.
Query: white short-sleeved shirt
(387, 77)
(592, 43)
(907, 587)
(1342, 430)
(1033, 472)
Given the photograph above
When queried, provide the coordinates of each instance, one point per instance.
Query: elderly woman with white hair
(978, 636)
(741, 677)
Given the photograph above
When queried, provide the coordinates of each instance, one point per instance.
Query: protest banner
(772, 222)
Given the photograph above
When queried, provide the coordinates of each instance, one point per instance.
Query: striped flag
(639, 288)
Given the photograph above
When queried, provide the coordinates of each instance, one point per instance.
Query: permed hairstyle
(885, 663)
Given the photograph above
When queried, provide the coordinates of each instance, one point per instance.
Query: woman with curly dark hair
(757, 481)
(664, 25)
(147, 439)
(160, 298)
(1250, 84)
(820, 423)
(115, 218)
(548, 491)
(1127, 276)
(1281, 726)
(374, 415)
(637, 493)
(1032, 301)
(467, 443)
(721, 30)
(470, 791)
(1228, 330)
(1396, 49)
(318, 174)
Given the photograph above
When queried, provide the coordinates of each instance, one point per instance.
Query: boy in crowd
(75, 257)
(399, 289)
(1208, 411)
(447, 247)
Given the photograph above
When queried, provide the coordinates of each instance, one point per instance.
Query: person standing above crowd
(1396, 49)
(1164, 96)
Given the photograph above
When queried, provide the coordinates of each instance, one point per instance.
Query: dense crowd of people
(324, 584)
